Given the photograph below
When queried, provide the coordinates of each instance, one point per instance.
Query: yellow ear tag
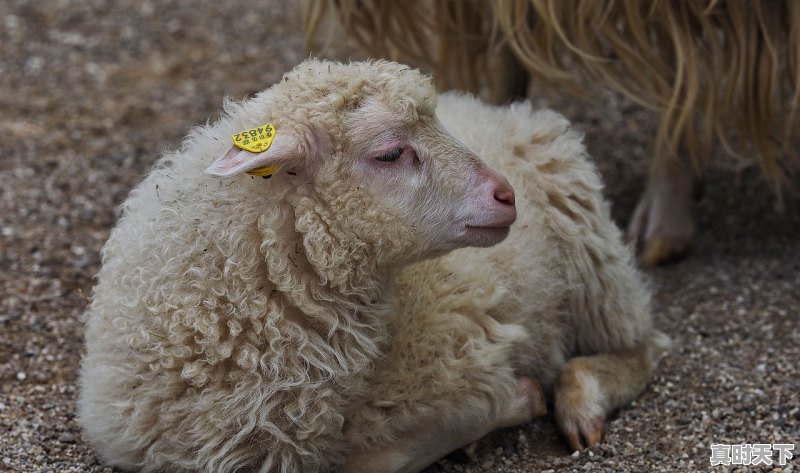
(257, 140)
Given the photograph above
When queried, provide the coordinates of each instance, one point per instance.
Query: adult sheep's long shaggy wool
(331, 318)
(717, 71)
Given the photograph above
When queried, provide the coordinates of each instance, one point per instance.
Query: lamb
(340, 316)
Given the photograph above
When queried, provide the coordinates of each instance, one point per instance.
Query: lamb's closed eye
(390, 156)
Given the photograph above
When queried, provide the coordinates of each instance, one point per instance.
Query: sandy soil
(91, 91)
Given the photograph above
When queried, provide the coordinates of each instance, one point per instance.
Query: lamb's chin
(484, 236)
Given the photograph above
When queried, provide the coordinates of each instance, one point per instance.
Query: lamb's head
(370, 156)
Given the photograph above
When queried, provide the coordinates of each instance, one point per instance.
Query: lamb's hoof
(528, 402)
(584, 433)
(532, 390)
(471, 451)
(663, 224)
(579, 408)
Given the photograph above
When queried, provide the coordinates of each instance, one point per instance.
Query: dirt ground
(91, 91)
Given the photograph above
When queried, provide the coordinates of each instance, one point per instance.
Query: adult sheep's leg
(663, 222)
(509, 79)
(435, 436)
(590, 387)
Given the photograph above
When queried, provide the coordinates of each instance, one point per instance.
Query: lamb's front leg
(436, 436)
(590, 387)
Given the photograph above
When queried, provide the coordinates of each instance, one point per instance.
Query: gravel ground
(91, 91)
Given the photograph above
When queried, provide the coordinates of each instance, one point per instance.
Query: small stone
(6, 461)
(576, 454)
(21, 376)
(66, 437)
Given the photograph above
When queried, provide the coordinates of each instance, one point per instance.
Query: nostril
(504, 195)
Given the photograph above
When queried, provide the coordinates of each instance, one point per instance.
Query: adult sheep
(242, 324)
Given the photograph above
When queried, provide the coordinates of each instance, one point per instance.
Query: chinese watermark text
(751, 454)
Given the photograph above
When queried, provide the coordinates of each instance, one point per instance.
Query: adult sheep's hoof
(663, 222)
(663, 249)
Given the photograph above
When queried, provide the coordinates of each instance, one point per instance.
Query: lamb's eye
(390, 156)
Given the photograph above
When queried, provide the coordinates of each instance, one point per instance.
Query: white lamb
(315, 321)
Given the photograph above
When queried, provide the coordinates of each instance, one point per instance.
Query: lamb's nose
(504, 193)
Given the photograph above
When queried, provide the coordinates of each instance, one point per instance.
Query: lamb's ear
(284, 151)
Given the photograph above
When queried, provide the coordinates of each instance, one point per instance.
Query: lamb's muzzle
(494, 209)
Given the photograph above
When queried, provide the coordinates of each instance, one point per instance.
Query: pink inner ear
(286, 150)
(231, 158)
(235, 161)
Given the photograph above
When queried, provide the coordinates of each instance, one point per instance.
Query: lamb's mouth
(500, 222)
(487, 227)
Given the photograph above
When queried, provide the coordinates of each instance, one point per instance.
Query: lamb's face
(375, 164)
(429, 182)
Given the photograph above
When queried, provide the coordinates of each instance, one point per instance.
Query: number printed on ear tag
(255, 140)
